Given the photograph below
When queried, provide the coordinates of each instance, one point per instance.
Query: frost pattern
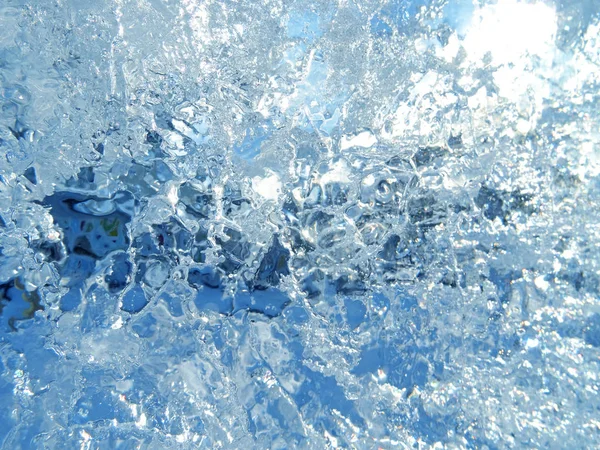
(307, 224)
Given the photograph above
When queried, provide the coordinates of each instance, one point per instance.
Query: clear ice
(361, 224)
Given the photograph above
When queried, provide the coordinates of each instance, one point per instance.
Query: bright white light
(267, 187)
(364, 140)
(510, 30)
(339, 173)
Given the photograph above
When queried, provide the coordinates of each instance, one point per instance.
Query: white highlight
(510, 30)
(365, 140)
(339, 173)
(268, 187)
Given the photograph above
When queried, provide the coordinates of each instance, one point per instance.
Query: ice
(353, 224)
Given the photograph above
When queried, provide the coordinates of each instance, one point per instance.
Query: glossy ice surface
(299, 224)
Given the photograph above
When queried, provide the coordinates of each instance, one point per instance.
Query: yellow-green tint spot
(110, 227)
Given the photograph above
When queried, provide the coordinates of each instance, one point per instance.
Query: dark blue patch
(355, 312)
(119, 275)
(592, 330)
(31, 175)
(273, 266)
(490, 202)
(71, 300)
(134, 300)
(206, 276)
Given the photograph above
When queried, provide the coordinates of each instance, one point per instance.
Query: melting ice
(354, 224)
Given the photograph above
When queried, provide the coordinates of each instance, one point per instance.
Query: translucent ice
(277, 224)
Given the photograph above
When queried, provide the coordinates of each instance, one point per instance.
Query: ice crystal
(299, 224)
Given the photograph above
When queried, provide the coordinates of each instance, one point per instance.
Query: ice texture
(299, 224)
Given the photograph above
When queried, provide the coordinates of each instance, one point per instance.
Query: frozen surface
(299, 224)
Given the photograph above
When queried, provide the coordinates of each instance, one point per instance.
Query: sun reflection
(510, 30)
